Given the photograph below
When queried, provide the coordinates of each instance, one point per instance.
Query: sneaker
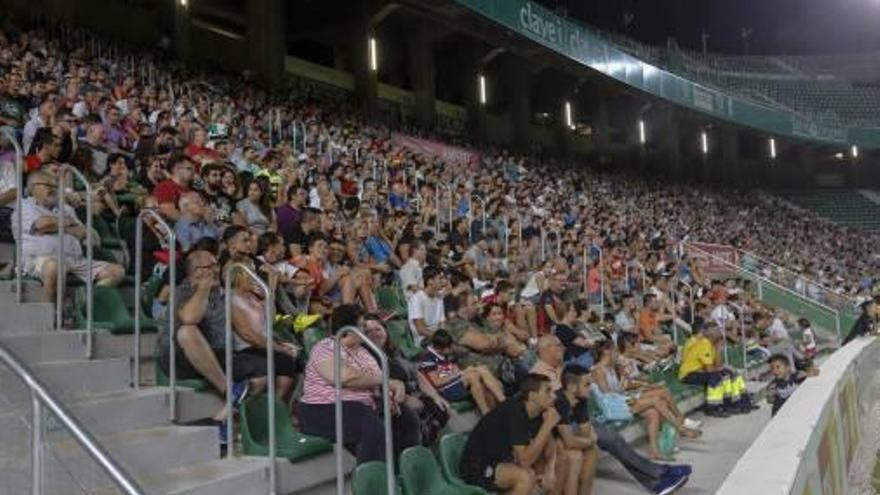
(692, 424)
(716, 412)
(303, 321)
(669, 484)
(677, 470)
(239, 392)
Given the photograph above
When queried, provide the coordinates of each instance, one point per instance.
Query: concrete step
(68, 379)
(70, 344)
(239, 476)
(312, 475)
(114, 412)
(24, 318)
(145, 452)
(33, 290)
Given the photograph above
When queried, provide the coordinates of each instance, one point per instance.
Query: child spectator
(785, 381)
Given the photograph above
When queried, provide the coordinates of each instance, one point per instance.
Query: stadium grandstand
(444, 247)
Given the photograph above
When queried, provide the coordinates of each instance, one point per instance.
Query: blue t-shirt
(378, 249)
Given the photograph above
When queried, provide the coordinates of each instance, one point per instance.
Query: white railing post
(386, 408)
(36, 445)
(601, 282)
(61, 281)
(269, 304)
(138, 282)
(586, 273)
(19, 194)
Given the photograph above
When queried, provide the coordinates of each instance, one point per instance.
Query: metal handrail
(450, 195)
(807, 280)
(690, 299)
(742, 328)
(765, 280)
(138, 279)
(482, 202)
(544, 233)
(61, 281)
(19, 194)
(269, 303)
(40, 398)
(386, 407)
(586, 271)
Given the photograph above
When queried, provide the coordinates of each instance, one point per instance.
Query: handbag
(612, 407)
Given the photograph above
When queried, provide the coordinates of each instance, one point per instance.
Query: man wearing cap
(867, 322)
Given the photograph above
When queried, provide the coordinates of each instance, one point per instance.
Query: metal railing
(450, 215)
(557, 235)
(269, 316)
(386, 408)
(830, 295)
(61, 281)
(40, 399)
(763, 280)
(471, 216)
(742, 342)
(19, 194)
(138, 281)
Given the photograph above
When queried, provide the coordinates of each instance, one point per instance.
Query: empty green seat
(451, 448)
(421, 475)
(398, 332)
(370, 478)
(110, 312)
(289, 443)
(391, 299)
(197, 384)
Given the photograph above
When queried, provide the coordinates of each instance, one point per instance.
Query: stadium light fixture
(773, 148)
(642, 137)
(373, 54)
(569, 121)
(854, 151)
(704, 141)
(481, 80)
(184, 3)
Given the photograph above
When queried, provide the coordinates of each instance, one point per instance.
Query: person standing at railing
(867, 322)
(39, 238)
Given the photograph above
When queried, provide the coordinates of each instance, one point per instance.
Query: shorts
(79, 268)
(246, 364)
(454, 391)
(482, 477)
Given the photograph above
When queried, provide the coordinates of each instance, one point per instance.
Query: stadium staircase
(843, 206)
(132, 425)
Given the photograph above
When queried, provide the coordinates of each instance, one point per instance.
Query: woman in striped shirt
(363, 432)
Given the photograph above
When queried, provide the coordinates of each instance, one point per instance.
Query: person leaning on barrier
(39, 238)
(867, 322)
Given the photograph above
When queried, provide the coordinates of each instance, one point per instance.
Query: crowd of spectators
(575, 281)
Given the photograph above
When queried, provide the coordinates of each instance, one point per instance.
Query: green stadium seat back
(289, 443)
(110, 312)
(109, 238)
(370, 478)
(197, 384)
(398, 332)
(421, 475)
(451, 446)
(312, 336)
(391, 299)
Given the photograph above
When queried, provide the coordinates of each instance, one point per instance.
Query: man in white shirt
(411, 272)
(39, 238)
(425, 308)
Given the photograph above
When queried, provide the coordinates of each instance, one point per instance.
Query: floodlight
(373, 54)
(773, 148)
(482, 84)
(642, 137)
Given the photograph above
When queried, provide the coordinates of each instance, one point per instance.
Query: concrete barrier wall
(810, 446)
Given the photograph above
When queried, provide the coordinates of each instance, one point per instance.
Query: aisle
(712, 456)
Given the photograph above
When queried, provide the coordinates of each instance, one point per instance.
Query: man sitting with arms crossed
(39, 238)
(502, 454)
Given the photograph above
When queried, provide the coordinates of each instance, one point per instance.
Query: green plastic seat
(391, 299)
(110, 312)
(449, 453)
(197, 384)
(421, 475)
(109, 239)
(312, 336)
(399, 333)
(463, 406)
(289, 443)
(370, 478)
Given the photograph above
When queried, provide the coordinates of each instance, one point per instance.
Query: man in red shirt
(198, 151)
(169, 191)
(47, 147)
